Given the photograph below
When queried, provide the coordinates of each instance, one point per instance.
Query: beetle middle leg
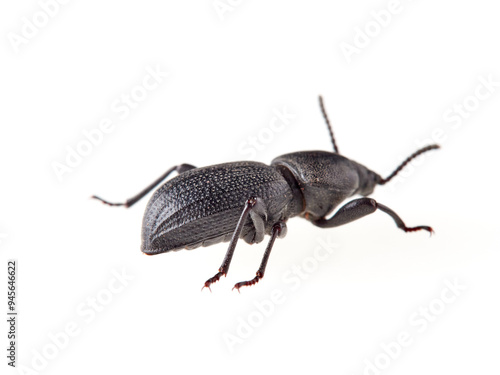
(181, 168)
(279, 230)
(252, 205)
(358, 208)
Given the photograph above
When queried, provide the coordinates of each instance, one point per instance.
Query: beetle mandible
(246, 199)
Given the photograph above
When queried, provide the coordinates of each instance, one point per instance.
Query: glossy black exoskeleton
(225, 202)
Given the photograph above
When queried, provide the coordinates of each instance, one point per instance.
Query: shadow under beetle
(246, 199)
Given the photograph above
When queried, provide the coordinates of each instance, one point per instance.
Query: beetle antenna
(404, 163)
(335, 148)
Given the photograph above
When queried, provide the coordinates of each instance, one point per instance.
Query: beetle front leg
(279, 230)
(251, 204)
(129, 202)
(358, 208)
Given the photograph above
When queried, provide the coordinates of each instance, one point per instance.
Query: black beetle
(225, 202)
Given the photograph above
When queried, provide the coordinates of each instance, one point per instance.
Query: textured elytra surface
(202, 206)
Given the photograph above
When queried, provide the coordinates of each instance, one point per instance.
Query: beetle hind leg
(279, 230)
(129, 202)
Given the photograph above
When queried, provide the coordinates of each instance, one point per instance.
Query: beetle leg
(256, 233)
(279, 230)
(251, 204)
(358, 208)
(129, 202)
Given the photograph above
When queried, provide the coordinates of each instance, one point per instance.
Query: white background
(226, 78)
